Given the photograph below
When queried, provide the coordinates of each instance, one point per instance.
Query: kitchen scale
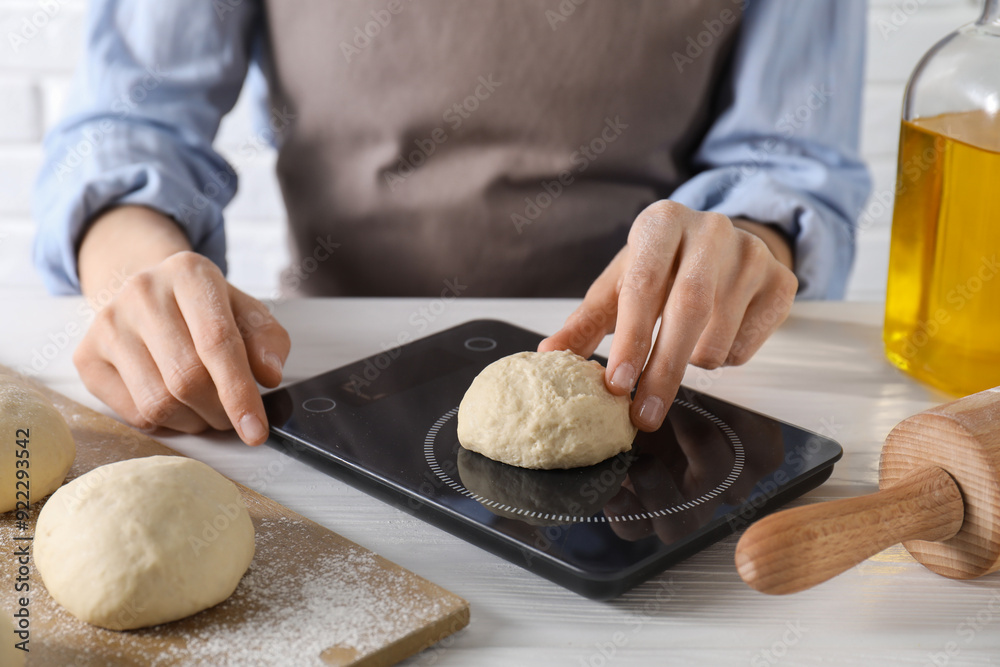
(387, 424)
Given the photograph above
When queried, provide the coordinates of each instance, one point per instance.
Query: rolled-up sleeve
(144, 107)
(784, 150)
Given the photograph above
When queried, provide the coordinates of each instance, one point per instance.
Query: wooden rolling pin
(939, 481)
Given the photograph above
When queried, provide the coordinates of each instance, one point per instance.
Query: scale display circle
(443, 435)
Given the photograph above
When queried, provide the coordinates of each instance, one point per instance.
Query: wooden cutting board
(309, 597)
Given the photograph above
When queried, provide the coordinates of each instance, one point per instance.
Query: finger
(673, 527)
(102, 380)
(661, 481)
(716, 341)
(653, 243)
(706, 450)
(744, 279)
(686, 314)
(763, 316)
(654, 485)
(141, 377)
(168, 340)
(266, 341)
(765, 457)
(582, 332)
(625, 504)
(594, 319)
(203, 298)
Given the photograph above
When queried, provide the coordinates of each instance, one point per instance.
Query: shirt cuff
(67, 198)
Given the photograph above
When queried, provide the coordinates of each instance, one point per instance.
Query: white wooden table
(823, 371)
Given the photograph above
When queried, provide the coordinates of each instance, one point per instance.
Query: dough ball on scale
(544, 410)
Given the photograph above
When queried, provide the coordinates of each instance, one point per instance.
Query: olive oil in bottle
(942, 319)
(942, 311)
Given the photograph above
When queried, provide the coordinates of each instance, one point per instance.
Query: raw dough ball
(544, 410)
(143, 542)
(50, 445)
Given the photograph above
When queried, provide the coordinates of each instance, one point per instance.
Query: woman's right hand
(177, 346)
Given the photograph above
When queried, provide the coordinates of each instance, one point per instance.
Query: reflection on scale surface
(670, 482)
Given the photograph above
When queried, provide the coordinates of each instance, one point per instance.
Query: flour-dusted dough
(143, 542)
(49, 445)
(544, 410)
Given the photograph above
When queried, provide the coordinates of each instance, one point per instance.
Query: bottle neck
(991, 13)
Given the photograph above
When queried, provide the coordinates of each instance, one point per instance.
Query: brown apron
(503, 146)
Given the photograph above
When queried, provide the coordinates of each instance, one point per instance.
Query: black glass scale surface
(387, 424)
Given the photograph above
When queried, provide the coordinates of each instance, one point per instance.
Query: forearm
(777, 243)
(123, 241)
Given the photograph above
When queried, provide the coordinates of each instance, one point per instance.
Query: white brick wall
(41, 40)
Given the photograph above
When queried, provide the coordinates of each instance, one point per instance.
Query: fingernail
(252, 429)
(624, 376)
(271, 360)
(652, 411)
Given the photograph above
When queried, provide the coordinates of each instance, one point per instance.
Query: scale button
(480, 344)
(319, 404)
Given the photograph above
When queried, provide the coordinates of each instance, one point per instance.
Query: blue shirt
(784, 151)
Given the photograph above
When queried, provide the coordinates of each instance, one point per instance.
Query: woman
(695, 161)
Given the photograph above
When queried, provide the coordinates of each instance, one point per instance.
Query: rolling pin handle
(797, 549)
